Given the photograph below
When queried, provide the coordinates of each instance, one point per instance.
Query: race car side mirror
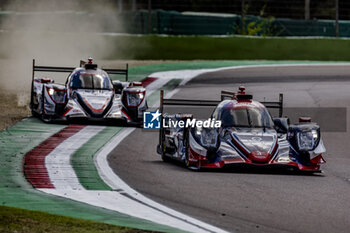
(281, 124)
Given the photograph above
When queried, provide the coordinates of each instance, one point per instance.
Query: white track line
(116, 201)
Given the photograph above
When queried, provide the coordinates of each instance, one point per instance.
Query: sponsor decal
(256, 139)
(191, 123)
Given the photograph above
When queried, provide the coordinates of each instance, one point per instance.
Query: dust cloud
(55, 33)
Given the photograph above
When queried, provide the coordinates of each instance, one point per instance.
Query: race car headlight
(51, 91)
(198, 131)
(307, 140)
(134, 99)
(58, 96)
(209, 137)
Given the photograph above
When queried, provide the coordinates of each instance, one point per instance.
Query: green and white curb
(83, 159)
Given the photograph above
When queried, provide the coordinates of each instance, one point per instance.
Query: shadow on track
(241, 169)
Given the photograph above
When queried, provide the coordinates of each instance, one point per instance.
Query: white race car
(88, 93)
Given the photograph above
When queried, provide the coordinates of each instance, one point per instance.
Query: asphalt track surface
(253, 200)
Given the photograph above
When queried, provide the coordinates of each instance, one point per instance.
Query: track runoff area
(115, 183)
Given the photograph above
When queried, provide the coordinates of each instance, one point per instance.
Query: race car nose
(259, 156)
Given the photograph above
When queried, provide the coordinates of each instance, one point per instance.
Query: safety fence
(195, 23)
(175, 23)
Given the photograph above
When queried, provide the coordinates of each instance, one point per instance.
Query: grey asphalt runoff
(253, 200)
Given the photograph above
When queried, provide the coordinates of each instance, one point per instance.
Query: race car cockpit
(82, 79)
(237, 115)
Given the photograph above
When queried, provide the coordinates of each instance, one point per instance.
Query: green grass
(228, 48)
(158, 47)
(20, 220)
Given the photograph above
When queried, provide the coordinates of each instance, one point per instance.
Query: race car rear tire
(186, 160)
(34, 107)
(46, 118)
(161, 151)
(193, 167)
(165, 158)
(34, 113)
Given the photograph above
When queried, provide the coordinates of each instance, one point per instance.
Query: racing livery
(88, 93)
(248, 136)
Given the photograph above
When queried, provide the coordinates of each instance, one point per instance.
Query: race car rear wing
(70, 69)
(208, 103)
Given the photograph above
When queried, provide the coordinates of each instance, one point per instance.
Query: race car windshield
(251, 117)
(90, 81)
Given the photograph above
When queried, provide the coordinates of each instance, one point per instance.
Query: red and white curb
(34, 164)
(58, 165)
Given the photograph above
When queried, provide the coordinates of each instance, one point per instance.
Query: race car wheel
(45, 117)
(187, 161)
(34, 113)
(186, 145)
(165, 158)
(34, 106)
(161, 150)
(194, 167)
